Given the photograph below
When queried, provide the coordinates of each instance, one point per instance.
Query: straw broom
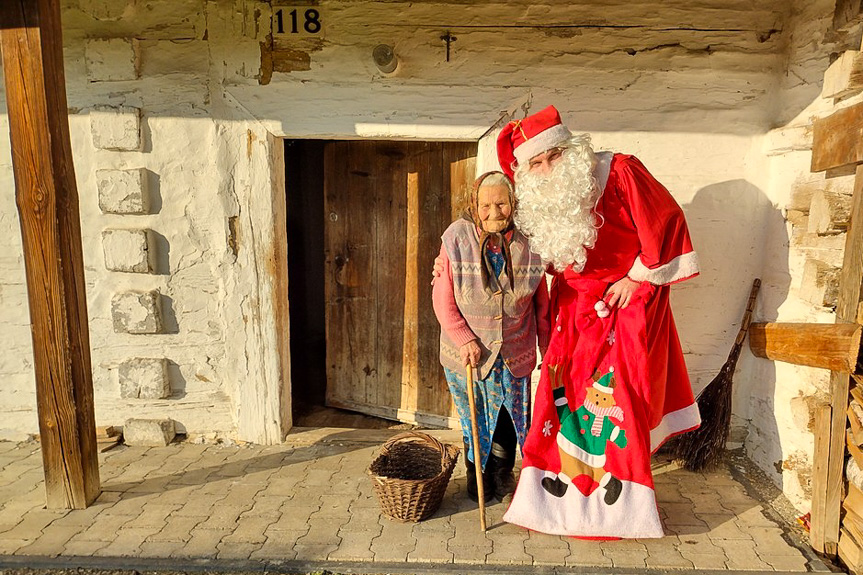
(700, 449)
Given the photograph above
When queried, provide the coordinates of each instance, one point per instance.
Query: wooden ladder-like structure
(837, 143)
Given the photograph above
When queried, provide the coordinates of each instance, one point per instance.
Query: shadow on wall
(739, 236)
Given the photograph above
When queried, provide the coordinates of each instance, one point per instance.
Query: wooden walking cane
(477, 449)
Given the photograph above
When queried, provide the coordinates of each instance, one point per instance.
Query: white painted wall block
(123, 191)
(128, 250)
(137, 312)
(144, 378)
(104, 9)
(116, 128)
(110, 60)
(149, 432)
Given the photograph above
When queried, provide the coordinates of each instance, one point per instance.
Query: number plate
(296, 21)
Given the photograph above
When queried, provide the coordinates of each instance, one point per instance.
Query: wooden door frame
(280, 268)
(259, 301)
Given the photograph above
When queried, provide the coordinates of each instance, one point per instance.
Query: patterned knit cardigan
(503, 318)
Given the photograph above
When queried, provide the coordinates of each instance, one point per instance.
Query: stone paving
(309, 502)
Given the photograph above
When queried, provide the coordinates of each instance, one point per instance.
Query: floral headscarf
(502, 238)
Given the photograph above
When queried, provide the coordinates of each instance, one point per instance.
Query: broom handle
(747, 317)
(731, 362)
(477, 449)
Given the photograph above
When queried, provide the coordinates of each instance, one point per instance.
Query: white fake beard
(555, 211)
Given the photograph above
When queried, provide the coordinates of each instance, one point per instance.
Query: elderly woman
(492, 303)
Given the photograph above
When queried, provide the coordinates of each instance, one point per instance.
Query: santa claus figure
(615, 240)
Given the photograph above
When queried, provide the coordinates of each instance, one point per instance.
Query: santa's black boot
(470, 470)
(499, 467)
(554, 486)
(612, 490)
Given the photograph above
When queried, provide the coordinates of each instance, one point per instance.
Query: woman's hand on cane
(470, 353)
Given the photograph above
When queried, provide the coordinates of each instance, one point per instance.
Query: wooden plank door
(386, 206)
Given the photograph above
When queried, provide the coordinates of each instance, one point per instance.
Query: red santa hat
(520, 140)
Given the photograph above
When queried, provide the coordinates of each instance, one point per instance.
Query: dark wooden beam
(832, 346)
(837, 140)
(47, 198)
(846, 12)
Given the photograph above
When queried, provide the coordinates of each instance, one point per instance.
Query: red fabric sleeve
(445, 308)
(552, 297)
(542, 308)
(666, 248)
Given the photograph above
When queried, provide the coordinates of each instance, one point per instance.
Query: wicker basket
(410, 475)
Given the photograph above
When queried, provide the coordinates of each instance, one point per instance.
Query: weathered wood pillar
(47, 198)
(838, 141)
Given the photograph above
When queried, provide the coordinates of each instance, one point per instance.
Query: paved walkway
(308, 504)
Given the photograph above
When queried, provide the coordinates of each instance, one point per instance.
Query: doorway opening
(364, 220)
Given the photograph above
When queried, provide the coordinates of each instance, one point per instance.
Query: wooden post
(819, 477)
(32, 47)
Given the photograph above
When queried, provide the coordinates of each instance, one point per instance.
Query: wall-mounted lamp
(385, 58)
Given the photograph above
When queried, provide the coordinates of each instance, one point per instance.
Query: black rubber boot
(501, 460)
(470, 470)
(499, 467)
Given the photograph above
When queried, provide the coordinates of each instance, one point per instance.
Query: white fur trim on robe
(634, 515)
(673, 423)
(602, 169)
(680, 268)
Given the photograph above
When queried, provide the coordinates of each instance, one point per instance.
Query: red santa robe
(566, 489)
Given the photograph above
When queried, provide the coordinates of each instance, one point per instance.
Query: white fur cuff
(543, 141)
(680, 268)
(684, 419)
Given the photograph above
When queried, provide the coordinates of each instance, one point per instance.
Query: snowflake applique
(546, 428)
(610, 338)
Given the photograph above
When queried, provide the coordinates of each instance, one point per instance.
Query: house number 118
(308, 21)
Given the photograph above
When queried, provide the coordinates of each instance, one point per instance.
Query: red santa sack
(613, 388)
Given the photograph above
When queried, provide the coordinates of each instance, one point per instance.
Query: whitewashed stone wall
(777, 400)
(176, 107)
